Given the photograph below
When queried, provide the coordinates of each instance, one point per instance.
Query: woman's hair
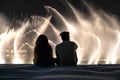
(42, 39)
(43, 52)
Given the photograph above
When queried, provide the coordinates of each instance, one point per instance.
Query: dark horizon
(36, 7)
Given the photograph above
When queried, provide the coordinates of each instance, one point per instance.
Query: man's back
(66, 53)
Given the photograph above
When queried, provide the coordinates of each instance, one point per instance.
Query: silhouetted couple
(65, 52)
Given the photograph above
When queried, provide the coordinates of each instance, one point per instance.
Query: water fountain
(97, 36)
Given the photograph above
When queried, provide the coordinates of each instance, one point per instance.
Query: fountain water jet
(95, 36)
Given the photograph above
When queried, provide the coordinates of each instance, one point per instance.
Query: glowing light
(114, 54)
(92, 34)
(1, 60)
(44, 25)
(95, 55)
(17, 60)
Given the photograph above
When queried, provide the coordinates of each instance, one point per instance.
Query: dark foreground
(81, 72)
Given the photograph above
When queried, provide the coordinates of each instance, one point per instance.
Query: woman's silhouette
(43, 52)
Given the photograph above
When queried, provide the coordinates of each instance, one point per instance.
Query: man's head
(65, 36)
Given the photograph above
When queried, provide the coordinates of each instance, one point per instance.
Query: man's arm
(57, 59)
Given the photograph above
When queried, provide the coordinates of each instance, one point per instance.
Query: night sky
(36, 7)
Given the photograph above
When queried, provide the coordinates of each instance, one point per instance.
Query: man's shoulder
(73, 42)
(59, 44)
(66, 42)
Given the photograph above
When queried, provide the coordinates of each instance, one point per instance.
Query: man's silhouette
(66, 51)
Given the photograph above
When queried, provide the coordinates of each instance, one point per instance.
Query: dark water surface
(81, 72)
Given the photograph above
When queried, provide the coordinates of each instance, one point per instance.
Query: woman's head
(42, 39)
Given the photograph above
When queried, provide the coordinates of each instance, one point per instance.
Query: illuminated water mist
(97, 36)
